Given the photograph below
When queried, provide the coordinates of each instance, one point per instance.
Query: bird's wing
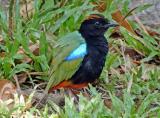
(67, 58)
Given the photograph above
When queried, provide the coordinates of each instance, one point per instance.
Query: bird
(79, 57)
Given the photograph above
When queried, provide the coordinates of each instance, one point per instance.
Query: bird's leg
(71, 93)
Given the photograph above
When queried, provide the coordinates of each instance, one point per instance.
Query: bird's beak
(111, 25)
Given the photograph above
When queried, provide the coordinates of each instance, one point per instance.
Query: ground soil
(150, 16)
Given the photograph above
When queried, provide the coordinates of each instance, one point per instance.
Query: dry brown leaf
(136, 62)
(22, 77)
(2, 54)
(116, 35)
(34, 48)
(108, 103)
(119, 18)
(152, 32)
(7, 88)
(26, 58)
(26, 9)
(132, 53)
(7, 91)
(100, 5)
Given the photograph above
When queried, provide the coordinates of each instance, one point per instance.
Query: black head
(95, 25)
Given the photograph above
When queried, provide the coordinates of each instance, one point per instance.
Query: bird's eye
(97, 23)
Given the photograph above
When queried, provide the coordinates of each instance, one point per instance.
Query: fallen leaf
(119, 18)
(100, 5)
(7, 91)
(22, 77)
(2, 54)
(7, 88)
(116, 35)
(108, 103)
(152, 32)
(26, 9)
(132, 53)
(136, 62)
(34, 48)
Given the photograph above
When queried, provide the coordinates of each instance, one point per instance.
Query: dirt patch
(150, 16)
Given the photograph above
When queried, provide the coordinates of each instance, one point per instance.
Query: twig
(17, 84)
(26, 8)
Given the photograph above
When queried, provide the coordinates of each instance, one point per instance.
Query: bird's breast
(92, 63)
(90, 69)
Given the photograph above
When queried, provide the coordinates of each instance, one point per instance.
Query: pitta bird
(80, 56)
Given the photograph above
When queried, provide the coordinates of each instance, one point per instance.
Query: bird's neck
(96, 43)
(99, 47)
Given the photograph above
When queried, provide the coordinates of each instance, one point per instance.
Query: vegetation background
(130, 83)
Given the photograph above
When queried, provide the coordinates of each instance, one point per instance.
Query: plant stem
(11, 18)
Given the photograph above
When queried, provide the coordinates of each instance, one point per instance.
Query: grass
(132, 89)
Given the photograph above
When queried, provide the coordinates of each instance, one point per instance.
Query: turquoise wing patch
(79, 52)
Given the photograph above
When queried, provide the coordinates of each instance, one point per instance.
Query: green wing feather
(60, 69)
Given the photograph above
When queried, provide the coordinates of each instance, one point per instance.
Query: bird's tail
(68, 84)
